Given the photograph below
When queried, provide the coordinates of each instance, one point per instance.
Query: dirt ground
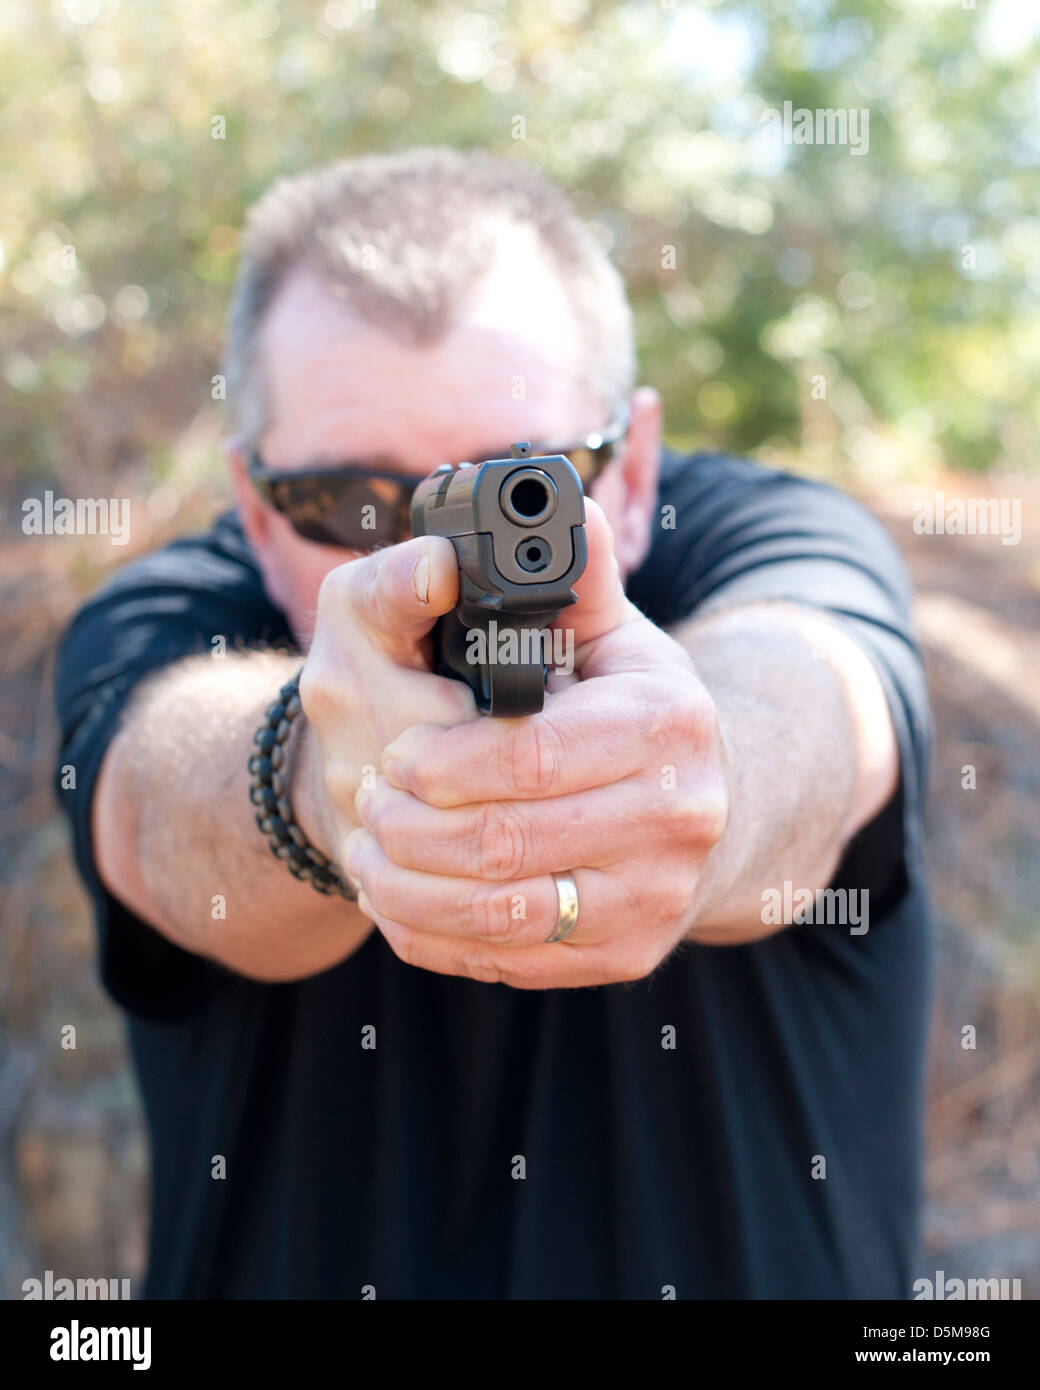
(73, 1162)
(978, 617)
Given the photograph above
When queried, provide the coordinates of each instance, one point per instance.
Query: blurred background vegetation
(136, 133)
(908, 277)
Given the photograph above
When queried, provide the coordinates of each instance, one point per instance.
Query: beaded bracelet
(269, 793)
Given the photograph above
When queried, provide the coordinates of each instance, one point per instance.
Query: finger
(601, 604)
(394, 596)
(559, 965)
(521, 913)
(506, 840)
(633, 646)
(592, 734)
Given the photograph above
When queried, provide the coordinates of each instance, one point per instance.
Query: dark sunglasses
(358, 508)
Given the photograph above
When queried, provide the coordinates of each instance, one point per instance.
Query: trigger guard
(512, 691)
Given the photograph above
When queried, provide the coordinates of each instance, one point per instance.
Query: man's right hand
(367, 678)
(174, 831)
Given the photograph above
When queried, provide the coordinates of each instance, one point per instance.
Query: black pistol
(518, 528)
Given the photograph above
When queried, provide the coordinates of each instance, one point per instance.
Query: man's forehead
(512, 367)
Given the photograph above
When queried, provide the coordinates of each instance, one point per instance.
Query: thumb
(396, 595)
(602, 605)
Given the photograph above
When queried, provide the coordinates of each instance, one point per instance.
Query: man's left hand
(621, 781)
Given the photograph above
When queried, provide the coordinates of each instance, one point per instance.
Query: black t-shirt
(696, 1166)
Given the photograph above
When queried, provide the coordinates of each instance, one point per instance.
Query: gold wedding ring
(567, 914)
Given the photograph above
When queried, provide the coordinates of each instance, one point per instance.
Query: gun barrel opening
(529, 497)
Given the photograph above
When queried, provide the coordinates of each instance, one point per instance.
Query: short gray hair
(404, 237)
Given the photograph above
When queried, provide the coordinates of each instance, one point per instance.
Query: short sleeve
(733, 531)
(159, 609)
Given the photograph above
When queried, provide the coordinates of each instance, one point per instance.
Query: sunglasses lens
(357, 511)
(352, 513)
(588, 464)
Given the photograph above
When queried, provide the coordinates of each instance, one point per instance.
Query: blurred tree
(871, 310)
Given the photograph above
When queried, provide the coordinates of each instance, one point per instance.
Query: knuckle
(341, 784)
(671, 899)
(532, 756)
(679, 711)
(332, 590)
(636, 964)
(660, 813)
(357, 592)
(700, 820)
(715, 819)
(488, 912)
(500, 842)
(328, 696)
(386, 829)
(377, 588)
(450, 703)
(478, 965)
(696, 708)
(380, 895)
(317, 695)
(619, 969)
(680, 896)
(348, 595)
(403, 945)
(527, 975)
(426, 782)
(356, 586)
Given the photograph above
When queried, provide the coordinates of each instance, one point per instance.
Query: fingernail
(421, 578)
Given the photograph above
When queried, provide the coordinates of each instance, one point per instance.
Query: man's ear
(639, 465)
(250, 506)
(258, 520)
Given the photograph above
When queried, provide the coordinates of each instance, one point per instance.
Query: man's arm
(672, 793)
(173, 826)
(811, 750)
(172, 823)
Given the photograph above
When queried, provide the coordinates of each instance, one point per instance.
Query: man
(699, 1092)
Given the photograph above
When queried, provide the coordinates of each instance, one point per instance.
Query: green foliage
(903, 282)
